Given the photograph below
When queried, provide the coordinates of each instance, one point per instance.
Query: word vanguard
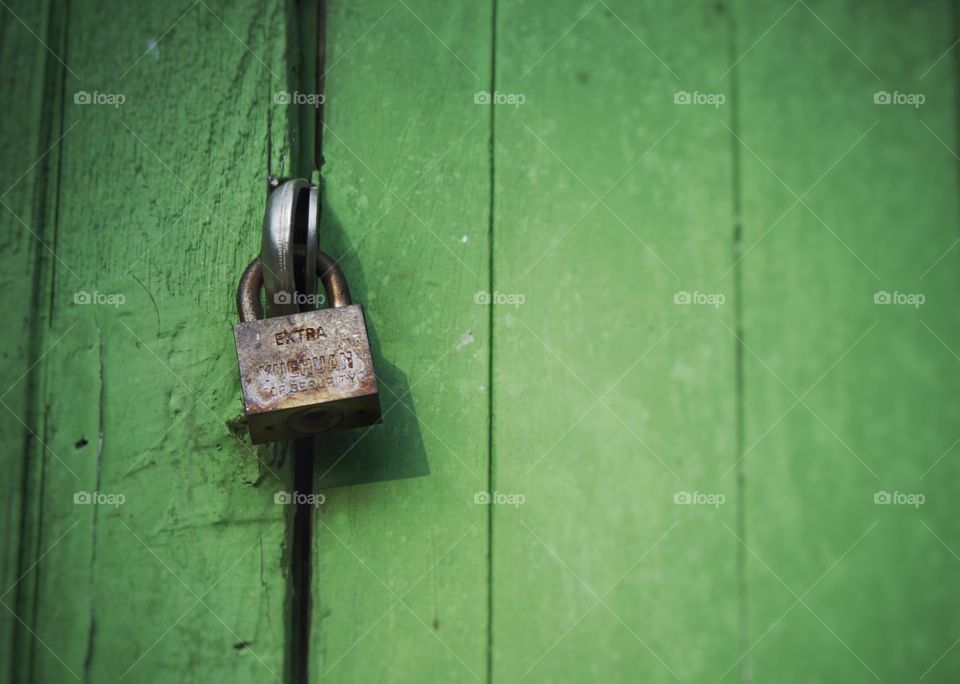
(299, 335)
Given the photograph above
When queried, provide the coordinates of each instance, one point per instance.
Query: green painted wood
(159, 208)
(609, 397)
(400, 571)
(29, 78)
(796, 397)
(844, 198)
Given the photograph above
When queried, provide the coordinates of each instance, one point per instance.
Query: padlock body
(306, 373)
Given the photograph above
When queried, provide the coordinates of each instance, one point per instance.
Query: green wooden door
(663, 299)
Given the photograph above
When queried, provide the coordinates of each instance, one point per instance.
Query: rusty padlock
(305, 373)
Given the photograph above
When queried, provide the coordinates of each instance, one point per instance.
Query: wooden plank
(159, 207)
(610, 399)
(844, 198)
(400, 581)
(30, 79)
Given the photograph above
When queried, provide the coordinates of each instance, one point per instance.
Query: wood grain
(159, 204)
(31, 81)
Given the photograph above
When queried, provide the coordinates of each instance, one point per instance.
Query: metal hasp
(306, 373)
(290, 220)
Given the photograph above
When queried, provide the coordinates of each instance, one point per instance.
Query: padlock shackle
(248, 292)
(333, 280)
(251, 282)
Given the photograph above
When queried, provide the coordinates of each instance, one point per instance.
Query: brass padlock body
(305, 373)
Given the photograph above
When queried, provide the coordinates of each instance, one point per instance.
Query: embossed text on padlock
(305, 373)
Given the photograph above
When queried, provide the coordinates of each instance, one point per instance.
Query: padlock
(305, 373)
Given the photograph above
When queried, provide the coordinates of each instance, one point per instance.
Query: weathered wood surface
(156, 213)
(844, 198)
(590, 200)
(401, 571)
(29, 129)
(609, 397)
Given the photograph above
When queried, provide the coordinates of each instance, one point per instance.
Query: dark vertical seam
(321, 64)
(301, 562)
(739, 389)
(302, 557)
(269, 132)
(491, 259)
(91, 625)
(956, 74)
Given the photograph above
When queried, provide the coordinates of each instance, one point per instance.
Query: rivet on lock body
(306, 373)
